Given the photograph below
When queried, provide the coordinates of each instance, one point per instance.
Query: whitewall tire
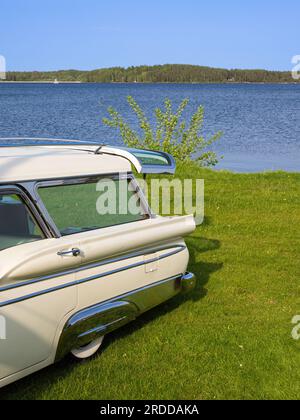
(89, 350)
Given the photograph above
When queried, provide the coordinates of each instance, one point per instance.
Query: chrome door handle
(75, 252)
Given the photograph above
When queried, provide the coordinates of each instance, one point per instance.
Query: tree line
(169, 73)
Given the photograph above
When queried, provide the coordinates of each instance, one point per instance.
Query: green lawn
(230, 338)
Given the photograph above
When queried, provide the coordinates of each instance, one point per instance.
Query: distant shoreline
(42, 82)
(168, 73)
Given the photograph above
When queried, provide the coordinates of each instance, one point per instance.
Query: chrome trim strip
(33, 295)
(147, 251)
(132, 155)
(149, 286)
(180, 248)
(97, 320)
(51, 142)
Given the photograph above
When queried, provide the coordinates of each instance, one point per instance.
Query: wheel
(89, 350)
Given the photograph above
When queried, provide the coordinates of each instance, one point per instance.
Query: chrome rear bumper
(96, 321)
(188, 282)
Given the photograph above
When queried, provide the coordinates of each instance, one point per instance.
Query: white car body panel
(42, 290)
(32, 324)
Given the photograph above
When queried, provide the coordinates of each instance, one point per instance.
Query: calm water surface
(261, 123)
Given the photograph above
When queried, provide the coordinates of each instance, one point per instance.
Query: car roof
(36, 162)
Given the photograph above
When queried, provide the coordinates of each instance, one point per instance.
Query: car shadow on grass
(32, 387)
(202, 270)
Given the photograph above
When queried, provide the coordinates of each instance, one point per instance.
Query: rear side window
(17, 225)
(91, 205)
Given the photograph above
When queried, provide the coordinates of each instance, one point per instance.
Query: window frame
(81, 180)
(16, 190)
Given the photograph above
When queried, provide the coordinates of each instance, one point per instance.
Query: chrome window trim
(31, 188)
(34, 187)
(176, 250)
(50, 142)
(145, 169)
(17, 190)
(141, 194)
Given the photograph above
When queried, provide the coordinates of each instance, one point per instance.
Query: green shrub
(172, 134)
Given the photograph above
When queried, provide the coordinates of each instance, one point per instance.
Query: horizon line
(147, 65)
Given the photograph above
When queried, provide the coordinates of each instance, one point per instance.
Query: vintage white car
(68, 275)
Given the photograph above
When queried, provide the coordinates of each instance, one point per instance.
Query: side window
(92, 205)
(17, 225)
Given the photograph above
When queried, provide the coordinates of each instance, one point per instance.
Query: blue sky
(50, 35)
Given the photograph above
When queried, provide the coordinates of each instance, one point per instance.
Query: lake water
(261, 123)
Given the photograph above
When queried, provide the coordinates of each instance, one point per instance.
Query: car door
(37, 284)
(120, 250)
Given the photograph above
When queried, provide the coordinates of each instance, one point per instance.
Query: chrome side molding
(99, 320)
(170, 251)
(94, 322)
